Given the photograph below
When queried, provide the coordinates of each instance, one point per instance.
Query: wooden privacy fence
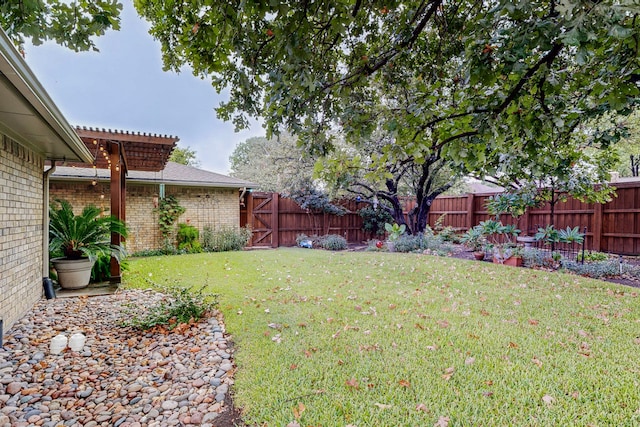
(277, 221)
(612, 227)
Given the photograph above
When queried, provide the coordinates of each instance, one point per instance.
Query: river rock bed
(122, 377)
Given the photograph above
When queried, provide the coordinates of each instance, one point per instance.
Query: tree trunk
(422, 213)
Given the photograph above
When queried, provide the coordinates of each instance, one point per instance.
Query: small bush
(596, 269)
(179, 305)
(332, 242)
(225, 239)
(187, 238)
(421, 243)
(590, 256)
(149, 252)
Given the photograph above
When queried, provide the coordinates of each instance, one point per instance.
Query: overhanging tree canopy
(481, 76)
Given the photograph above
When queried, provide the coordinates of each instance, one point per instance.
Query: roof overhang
(29, 116)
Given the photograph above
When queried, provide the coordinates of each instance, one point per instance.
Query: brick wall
(21, 196)
(204, 206)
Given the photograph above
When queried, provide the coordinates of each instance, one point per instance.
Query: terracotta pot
(479, 256)
(73, 273)
(512, 261)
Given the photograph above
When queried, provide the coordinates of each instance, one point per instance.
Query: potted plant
(475, 240)
(395, 231)
(502, 239)
(80, 238)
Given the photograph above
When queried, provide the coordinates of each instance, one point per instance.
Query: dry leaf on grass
(352, 383)
(298, 410)
(548, 399)
(442, 422)
(421, 407)
(383, 406)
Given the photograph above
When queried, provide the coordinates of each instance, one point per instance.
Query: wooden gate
(262, 217)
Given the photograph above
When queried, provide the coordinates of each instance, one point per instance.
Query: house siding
(21, 231)
(205, 206)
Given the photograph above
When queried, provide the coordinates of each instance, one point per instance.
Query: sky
(123, 87)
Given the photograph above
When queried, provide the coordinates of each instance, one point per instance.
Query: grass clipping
(176, 306)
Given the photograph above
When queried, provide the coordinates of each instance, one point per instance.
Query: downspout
(47, 284)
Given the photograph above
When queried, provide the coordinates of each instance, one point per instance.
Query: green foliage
(332, 242)
(497, 233)
(184, 156)
(168, 210)
(422, 243)
(187, 237)
(373, 219)
(225, 239)
(85, 235)
(590, 256)
(72, 25)
(548, 235)
(496, 88)
(474, 238)
(514, 204)
(179, 305)
(395, 231)
(275, 164)
(571, 235)
(309, 197)
(596, 269)
(101, 271)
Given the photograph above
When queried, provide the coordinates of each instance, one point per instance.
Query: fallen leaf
(513, 345)
(537, 362)
(307, 353)
(392, 306)
(358, 308)
(293, 424)
(275, 326)
(418, 326)
(340, 362)
(448, 373)
(383, 406)
(442, 422)
(298, 410)
(302, 325)
(353, 383)
(485, 312)
(489, 383)
(533, 322)
(371, 385)
(487, 394)
(422, 407)
(293, 367)
(583, 333)
(470, 361)
(277, 339)
(548, 399)
(443, 324)
(575, 395)
(404, 383)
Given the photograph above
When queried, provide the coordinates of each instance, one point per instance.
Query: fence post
(275, 220)
(250, 221)
(470, 206)
(597, 227)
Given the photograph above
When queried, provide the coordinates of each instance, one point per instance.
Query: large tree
(276, 164)
(464, 79)
(70, 24)
(185, 156)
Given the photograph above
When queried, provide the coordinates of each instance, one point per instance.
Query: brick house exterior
(210, 199)
(32, 130)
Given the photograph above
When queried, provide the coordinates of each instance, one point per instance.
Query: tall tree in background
(479, 78)
(184, 156)
(276, 164)
(70, 24)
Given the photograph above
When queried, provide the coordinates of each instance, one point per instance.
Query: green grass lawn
(385, 339)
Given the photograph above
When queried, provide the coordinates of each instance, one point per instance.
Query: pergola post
(117, 204)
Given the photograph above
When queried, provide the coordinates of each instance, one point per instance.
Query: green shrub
(179, 305)
(373, 220)
(596, 269)
(421, 243)
(149, 252)
(332, 242)
(590, 256)
(187, 238)
(225, 239)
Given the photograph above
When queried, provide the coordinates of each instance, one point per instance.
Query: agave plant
(85, 235)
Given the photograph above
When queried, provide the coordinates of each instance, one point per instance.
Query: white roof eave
(29, 115)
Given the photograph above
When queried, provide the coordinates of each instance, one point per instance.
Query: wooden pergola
(121, 152)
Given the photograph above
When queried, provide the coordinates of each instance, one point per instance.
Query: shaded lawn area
(373, 339)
